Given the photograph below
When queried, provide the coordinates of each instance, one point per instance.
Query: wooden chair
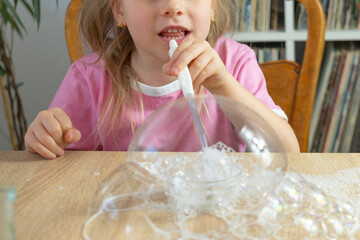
(292, 86)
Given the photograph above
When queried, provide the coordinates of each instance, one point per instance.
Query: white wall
(41, 60)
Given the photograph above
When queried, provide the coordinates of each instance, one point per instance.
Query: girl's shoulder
(235, 55)
(90, 62)
(227, 47)
(88, 70)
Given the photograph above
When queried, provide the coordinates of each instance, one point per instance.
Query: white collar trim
(157, 91)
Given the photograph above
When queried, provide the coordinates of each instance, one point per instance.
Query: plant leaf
(28, 7)
(13, 86)
(2, 70)
(19, 84)
(37, 11)
(18, 30)
(7, 18)
(15, 17)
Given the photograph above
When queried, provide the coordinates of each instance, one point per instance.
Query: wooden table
(54, 195)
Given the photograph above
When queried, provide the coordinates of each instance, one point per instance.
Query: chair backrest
(73, 38)
(292, 86)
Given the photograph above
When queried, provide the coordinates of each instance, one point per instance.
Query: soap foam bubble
(186, 201)
(164, 191)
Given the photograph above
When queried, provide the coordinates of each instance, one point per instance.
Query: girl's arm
(234, 90)
(208, 69)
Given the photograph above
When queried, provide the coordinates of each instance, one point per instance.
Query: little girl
(106, 95)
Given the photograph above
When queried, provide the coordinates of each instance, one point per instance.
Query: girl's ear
(117, 10)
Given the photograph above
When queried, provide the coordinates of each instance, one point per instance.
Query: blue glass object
(7, 198)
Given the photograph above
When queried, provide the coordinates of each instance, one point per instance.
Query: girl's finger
(184, 45)
(36, 147)
(47, 120)
(46, 140)
(62, 118)
(183, 56)
(204, 74)
(187, 56)
(197, 66)
(72, 135)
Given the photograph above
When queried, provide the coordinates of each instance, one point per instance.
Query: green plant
(10, 23)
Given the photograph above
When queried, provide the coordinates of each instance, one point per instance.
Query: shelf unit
(290, 35)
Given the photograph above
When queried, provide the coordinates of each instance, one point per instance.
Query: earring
(120, 24)
(212, 20)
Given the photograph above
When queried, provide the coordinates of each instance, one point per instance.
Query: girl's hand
(204, 64)
(50, 132)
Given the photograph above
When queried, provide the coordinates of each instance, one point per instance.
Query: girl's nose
(173, 8)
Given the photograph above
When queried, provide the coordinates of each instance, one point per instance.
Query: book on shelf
(267, 18)
(241, 26)
(330, 56)
(329, 105)
(329, 71)
(274, 14)
(281, 16)
(340, 14)
(352, 116)
(349, 6)
(355, 146)
(338, 145)
(325, 4)
(329, 14)
(253, 15)
(337, 99)
(258, 16)
(265, 54)
(261, 15)
(300, 16)
(356, 17)
(352, 108)
(337, 10)
(330, 140)
(247, 16)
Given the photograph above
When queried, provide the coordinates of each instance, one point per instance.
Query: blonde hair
(115, 45)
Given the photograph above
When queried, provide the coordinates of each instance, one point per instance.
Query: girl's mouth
(174, 33)
(177, 33)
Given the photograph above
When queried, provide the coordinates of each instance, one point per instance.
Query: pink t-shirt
(85, 87)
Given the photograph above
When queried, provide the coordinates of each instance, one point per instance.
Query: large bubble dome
(184, 178)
